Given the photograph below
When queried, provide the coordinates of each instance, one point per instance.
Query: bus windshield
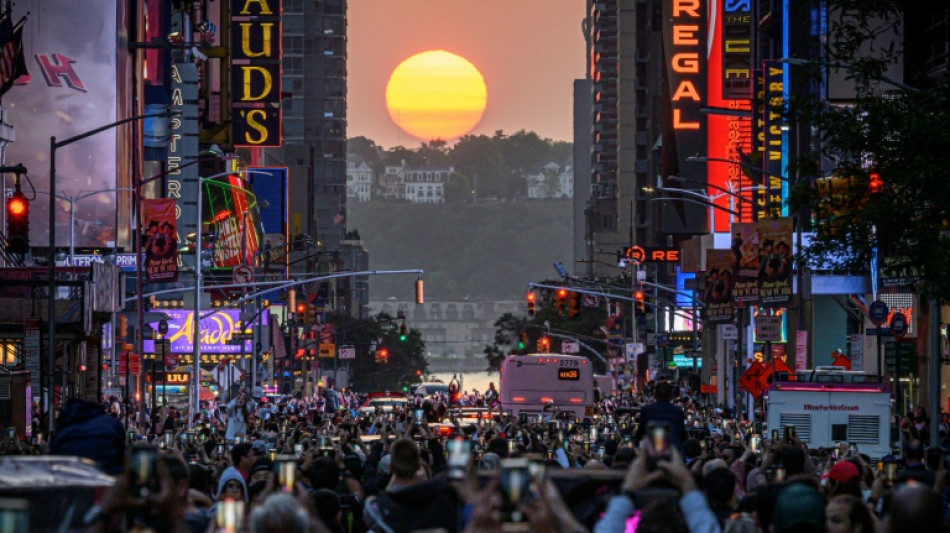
(529, 382)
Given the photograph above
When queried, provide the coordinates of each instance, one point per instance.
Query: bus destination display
(568, 374)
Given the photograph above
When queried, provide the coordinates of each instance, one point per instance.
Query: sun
(436, 95)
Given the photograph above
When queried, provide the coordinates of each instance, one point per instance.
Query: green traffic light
(405, 389)
(520, 345)
(402, 338)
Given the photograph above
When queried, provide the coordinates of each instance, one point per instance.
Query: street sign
(31, 347)
(591, 300)
(634, 348)
(754, 379)
(243, 274)
(347, 351)
(878, 312)
(728, 332)
(768, 328)
(326, 351)
(899, 324)
(570, 347)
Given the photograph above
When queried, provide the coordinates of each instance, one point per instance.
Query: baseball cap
(799, 508)
(262, 464)
(843, 472)
(259, 446)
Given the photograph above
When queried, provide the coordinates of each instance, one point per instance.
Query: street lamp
(72, 210)
(51, 300)
(194, 399)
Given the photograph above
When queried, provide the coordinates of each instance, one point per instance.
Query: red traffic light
(638, 296)
(561, 294)
(876, 184)
(418, 372)
(531, 297)
(17, 206)
(301, 308)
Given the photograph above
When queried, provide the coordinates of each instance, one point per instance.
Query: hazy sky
(529, 52)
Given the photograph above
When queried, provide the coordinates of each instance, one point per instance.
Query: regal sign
(642, 254)
(255, 72)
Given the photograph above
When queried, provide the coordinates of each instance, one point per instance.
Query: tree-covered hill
(481, 251)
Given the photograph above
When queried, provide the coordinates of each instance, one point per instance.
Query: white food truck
(826, 408)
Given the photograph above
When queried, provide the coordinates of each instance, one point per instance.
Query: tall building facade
(623, 132)
(314, 119)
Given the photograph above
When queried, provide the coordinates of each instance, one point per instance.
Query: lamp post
(194, 399)
(51, 303)
(72, 210)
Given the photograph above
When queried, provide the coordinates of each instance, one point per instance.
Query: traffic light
(310, 314)
(403, 332)
(560, 299)
(641, 305)
(531, 299)
(418, 373)
(573, 304)
(301, 312)
(382, 356)
(875, 184)
(544, 345)
(18, 223)
(523, 340)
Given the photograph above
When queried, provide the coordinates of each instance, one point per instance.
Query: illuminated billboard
(684, 95)
(255, 72)
(216, 331)
(70, 49)
(730, 87)
(233, 214)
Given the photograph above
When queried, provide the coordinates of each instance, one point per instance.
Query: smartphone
(779, 474)
(298, 450)
(143, 470)
(789, 433)
(593, 434)
(11, 433)
(853, 448)
(511, 446)
(168, 438)
(459, 452)
(131, 435)
(522, 417)
(272, 454)
(515, 485)
(660, 439)
(774, 435)
(324, 442)
(229, 515)
(890, 472)
(285, 467)
(14, 514)
(550, 454)
(220, 450)
(418, 416)
(754, 441)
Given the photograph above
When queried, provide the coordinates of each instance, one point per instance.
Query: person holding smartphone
(663, 412)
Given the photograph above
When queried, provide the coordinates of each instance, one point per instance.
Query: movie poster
(745, 252)
(718, 293)
(775, 262)
(159, 242)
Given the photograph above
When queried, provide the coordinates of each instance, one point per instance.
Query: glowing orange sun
(436, 95)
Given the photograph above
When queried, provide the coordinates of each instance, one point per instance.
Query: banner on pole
(159, 240)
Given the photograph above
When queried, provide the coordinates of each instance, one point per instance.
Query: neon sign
(255, 72)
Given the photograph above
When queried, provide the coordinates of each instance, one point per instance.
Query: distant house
(550, 181)
(392, 185)
(359, 179)
(426, 186)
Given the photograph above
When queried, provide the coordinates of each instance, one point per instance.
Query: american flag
(12, 64)
(340, 217)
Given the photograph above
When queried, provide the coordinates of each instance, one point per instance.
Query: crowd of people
(653, 461)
